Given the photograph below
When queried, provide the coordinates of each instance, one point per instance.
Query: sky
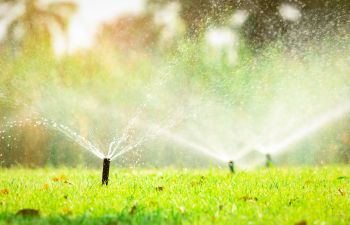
(90, 15)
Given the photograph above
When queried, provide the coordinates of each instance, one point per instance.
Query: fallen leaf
(45, 186)
(4, 191)
(303, 222)
(249, 199)
(220, 207)
(291, 201)
(67, 211)
(28, 213)
(160, 188)
(67, 182)
(113, 223)
(200, 181)
(133, 210)
(61, 178)
(341, 192)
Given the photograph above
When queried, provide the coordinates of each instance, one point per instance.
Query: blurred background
(228, 75)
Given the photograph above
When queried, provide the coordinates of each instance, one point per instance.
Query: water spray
(268, 162)
(231, 166)
(105, 170)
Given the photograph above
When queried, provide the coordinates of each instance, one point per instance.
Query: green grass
(273, 196)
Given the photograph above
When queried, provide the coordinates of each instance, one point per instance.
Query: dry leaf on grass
(4, 191)
(249, 199)
(341, 191)
(303, 222)
(133, 210)
(159, 188)
(28, 213)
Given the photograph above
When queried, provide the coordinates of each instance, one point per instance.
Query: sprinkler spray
(268, 162)
(105, 171)
(231, 166)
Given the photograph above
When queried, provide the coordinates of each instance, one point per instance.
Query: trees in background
(131, 32)
(265, 22)
(29, 28)
(30, 19)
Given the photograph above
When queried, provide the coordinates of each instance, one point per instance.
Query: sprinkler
(231, 166)
(268, 163)
(105, 171)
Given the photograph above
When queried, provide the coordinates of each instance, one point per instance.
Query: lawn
(313, 195)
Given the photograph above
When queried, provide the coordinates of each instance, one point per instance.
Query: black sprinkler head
(231, 166)
(268, 163)
(105, 171)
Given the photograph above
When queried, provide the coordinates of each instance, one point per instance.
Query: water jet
(231, 166)
(105, 171)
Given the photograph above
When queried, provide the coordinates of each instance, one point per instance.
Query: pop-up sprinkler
(231, 166)
(268, 163)
(105, 171)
